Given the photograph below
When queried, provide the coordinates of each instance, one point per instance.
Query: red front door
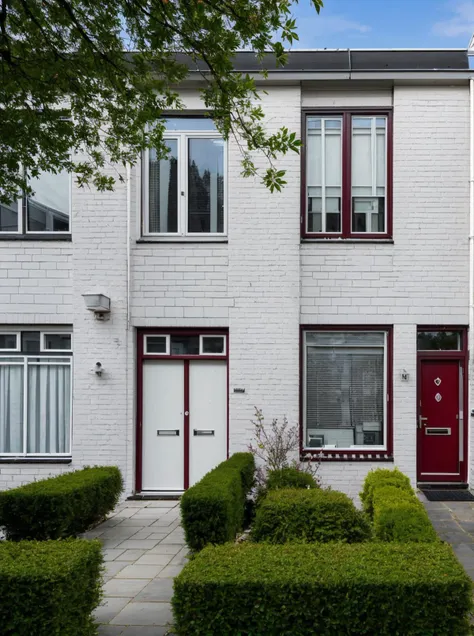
(438, 421)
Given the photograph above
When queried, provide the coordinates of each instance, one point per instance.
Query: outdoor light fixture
(98, 303)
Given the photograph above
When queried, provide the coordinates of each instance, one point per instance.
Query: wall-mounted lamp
(99, 304)
(404, 375)
(98, 369)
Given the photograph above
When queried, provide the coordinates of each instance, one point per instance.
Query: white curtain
(11, 408)
(49, 408)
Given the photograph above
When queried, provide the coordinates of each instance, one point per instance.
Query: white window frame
(35, 360)
(324, 185)
(182, 194)
(373, 185)
(154, 353)
(353, 448)
(23, 218)
(43, 335)
(17, 334)
(211, 335)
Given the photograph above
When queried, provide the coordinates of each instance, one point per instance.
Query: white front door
(163, 425)
(207, 416)
(184, 425)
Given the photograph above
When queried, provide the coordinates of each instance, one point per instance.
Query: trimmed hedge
(382, 477)
(324, 589)
(213, 509)
(289, 478)
(62, 506)
(307, 516)
(400, 516)
(49, 588)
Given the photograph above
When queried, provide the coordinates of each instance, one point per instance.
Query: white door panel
(163, 435)
(207, 416)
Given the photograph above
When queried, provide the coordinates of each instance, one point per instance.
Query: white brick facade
(261, 284)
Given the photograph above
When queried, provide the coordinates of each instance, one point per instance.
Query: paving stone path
(454, 523)
(144, 549)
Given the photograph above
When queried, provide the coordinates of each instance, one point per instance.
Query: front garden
(311, 562)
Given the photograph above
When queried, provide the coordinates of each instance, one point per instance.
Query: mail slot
(169, 432)
(203, 432)
(438, 431)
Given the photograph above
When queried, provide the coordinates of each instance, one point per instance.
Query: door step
(431, 485)
(141, 496)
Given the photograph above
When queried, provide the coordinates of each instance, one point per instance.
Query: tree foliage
(91, 79)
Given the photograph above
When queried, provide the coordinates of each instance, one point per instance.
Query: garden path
(144, 549)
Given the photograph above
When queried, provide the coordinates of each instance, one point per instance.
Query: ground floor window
(35, 393)
(345, 389)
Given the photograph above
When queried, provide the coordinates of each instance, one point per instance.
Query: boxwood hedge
(382, 477)
(399, 515)
(289, 478)
(49, 588)
(325, 589)
(213, 509)
(309, 515)
(62, 506)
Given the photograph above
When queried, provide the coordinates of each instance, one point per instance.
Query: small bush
(307, 516)
(289, 478)
(49, 588)
(213, 509)
(324, 589)
(61, 506)
(382, 477)
(400, 516)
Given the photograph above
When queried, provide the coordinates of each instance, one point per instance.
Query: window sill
(339, 240)
(5, 236)
(347, 456)
(190, 239)
(35, 460)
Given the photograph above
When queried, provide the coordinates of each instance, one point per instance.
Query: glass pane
(362, 159)
(8, 341)
(333, 153)
(313, 159)
(333, 222)
(439, 341)
(315, 222)
(30, 341)
(189, 123)
(368, 214)
(344, 397)
(156, 344)
(184, 345)
(206, 185)
(163, 190)
(57, 341)
(345, 338)
(213, 344)
(49, 409)
(11, 409)
(48, 208)
(9, 217)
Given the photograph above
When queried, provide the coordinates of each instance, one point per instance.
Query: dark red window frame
(347, 454)
(346, 201)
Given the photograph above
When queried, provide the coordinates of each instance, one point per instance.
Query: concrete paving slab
(144, 614)
(140, 571)
(124, 587)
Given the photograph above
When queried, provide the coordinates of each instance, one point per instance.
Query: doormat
(448, 495)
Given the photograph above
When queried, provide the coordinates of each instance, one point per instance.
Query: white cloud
(461, 23)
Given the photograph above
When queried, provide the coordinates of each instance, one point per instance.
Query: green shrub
(49, 588)
(213, 509)
(325, 589)
(62, 506)
(309, 515)
(400, 516)
(289, 478)
(382, 477)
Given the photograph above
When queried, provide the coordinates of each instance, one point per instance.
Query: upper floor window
(35, 393)
(184, 194)
(47, 211)
(347, 176)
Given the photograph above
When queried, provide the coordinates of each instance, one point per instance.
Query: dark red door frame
(141, 356)
(462, 357)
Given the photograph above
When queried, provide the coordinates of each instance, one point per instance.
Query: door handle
(421, 420)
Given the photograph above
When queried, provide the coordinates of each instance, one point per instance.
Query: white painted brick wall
(260, 284)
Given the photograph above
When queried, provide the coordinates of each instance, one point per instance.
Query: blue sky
(385, 24)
